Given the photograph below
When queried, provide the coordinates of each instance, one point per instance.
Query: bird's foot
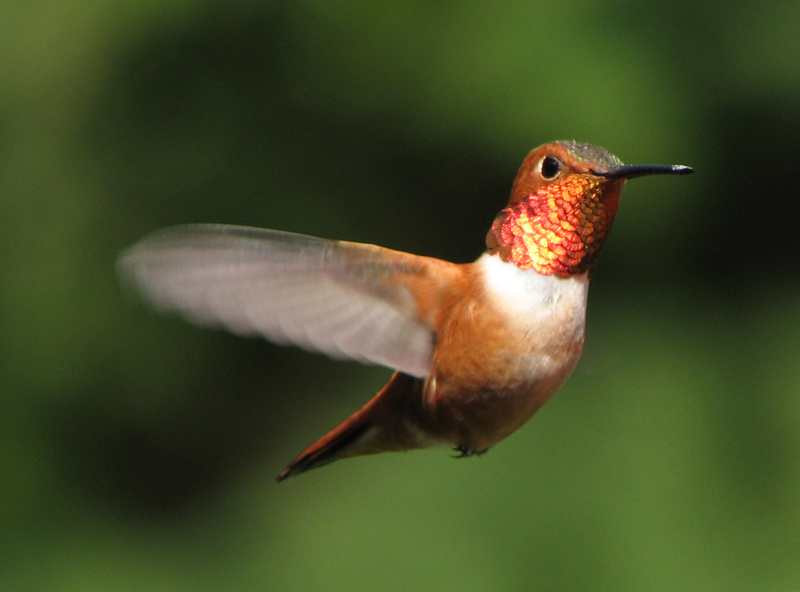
(465, 451)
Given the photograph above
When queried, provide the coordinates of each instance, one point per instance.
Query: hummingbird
(477, 348)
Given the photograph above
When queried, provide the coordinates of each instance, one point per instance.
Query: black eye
(551, 166)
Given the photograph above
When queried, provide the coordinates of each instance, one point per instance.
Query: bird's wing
(343, 299)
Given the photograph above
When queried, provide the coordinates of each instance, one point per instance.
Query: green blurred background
(138, 452)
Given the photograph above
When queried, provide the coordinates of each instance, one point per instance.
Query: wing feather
(343, 299)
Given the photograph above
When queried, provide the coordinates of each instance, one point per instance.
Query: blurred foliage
(138, 452)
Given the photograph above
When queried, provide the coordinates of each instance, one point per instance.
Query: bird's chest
(507, 348)
(535, 323)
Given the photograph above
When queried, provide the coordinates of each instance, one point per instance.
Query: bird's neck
(559, 230)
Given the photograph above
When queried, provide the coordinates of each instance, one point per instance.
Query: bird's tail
(382, 425)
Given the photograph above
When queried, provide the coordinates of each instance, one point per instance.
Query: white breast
(532, 301)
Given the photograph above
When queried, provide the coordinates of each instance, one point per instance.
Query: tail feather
(380, 426)
(327, 449)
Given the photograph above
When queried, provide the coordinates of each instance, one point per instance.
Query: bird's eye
(550, 167)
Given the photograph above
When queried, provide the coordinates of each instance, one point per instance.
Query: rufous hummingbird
(478, 348)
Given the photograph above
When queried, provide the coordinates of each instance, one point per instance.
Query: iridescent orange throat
(560, 228)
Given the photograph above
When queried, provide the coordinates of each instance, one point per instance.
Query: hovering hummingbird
(478, 348)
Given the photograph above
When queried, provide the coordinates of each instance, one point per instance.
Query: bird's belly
(503, 390)
(504, 355)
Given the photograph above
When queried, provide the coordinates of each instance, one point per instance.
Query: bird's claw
(465, 451)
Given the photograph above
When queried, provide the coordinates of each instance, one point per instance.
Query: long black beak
(642, 170)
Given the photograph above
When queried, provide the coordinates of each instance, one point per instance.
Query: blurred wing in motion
(343, 299)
